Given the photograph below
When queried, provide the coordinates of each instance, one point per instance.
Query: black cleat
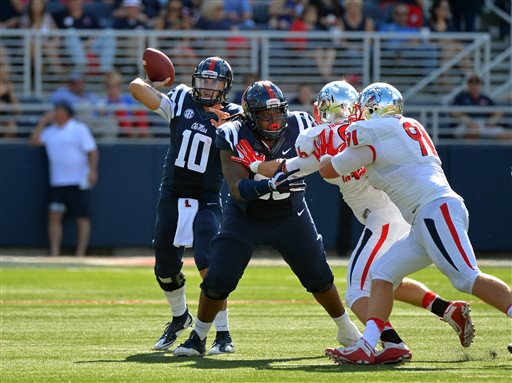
(173, 330)
(223, 344)
(193, 346)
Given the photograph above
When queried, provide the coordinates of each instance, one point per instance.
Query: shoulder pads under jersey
(358, 134)
(229, 133)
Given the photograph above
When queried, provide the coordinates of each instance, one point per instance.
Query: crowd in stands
(291, 15)
(230, 14)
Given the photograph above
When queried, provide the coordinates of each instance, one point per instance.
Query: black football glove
(283, 182)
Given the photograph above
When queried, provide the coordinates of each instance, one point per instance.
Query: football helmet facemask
(380, 100)
(211, 81)
(265, 109)
(335, 102)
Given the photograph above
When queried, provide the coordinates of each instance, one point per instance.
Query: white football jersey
(357, 191)
(406, 165)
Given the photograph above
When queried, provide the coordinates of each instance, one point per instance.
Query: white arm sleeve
(165, 108)
(306, 165)
(352, 159)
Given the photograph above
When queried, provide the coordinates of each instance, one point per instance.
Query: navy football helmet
(265, 109)
(211, 81)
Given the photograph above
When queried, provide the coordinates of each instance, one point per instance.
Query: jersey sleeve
(172, 103)
(358, 134)
(304, 120)
(165, 109)
(352, 159)
(232, 108)
(227, 137)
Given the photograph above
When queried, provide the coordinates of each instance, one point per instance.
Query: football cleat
(348, 338)
(193, 346)
(223, 344)
(359, 353)
(457, 315)
(393, 353)
(509, 348)
(173, 330)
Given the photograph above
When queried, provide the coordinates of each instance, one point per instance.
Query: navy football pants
(168, 258)
(295, 237)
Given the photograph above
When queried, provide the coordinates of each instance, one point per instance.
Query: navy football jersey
(192, 164)
(271, 205)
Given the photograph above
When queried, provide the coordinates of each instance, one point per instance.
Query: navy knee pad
(324, 288)
(171, 283)
(216, 296)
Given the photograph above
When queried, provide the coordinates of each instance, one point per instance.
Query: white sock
(509, 311)
(177, 301)
(372, 333)
(345, 324)
(202, 328)
(221, 321)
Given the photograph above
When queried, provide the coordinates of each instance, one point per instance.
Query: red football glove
(247, 156)
(324, 145)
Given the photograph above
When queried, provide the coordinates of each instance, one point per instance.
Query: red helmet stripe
(212, 64)
(269, 90)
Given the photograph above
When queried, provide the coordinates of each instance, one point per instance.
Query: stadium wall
(125, 198)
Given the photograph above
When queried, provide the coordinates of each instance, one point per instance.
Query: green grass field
(98, 324)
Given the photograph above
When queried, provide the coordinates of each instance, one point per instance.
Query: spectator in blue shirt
(240, 13)
(75, 93)
(478, 124)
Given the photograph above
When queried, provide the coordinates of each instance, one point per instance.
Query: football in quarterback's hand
(158, 66)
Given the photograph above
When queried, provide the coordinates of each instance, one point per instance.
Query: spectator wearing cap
(478, 124)
(75, 93)
(132, 19)
(132, 16)
(73, 165)
(150, 9)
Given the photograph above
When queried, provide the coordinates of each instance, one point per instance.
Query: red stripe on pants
(383, 236)
(453, 232)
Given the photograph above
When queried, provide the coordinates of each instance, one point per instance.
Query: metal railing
(138, 125)
(423, 65)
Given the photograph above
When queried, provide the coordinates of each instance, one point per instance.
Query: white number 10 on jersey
(191, 163)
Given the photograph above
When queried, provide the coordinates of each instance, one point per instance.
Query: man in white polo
(73, 164)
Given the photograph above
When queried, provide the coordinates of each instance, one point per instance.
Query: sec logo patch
(189, 113)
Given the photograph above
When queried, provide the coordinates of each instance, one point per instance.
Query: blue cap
(66, 106)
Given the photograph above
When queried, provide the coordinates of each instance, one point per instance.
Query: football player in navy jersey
(263, 211)
(189, 209)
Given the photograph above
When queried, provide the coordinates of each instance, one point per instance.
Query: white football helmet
(335, 102)
(379, 100)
